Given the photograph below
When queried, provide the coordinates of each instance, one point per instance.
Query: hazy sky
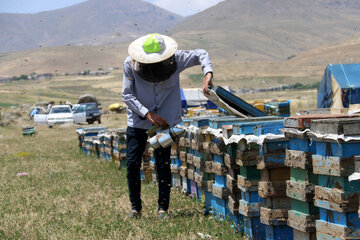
(34, 6)
(181, 7)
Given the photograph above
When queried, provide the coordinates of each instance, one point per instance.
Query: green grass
(7, 105)
(68, 195)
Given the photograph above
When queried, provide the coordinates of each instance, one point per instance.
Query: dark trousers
(136, 139)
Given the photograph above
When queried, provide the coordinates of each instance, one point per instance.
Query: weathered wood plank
(219, 169)
(247, 185)
(335, 230)
(198, 163)
(233, 205)
(182, 156)
(336, 199)
(298, 159)
(334, 166)
(300, 191)
(220, 192)
(230, 162)
(182, 142)
(196, 145)
(174, 149)
(183, 171)
(231, 184)
(268, 189)
(339, 126)
(208, 166)
(218, 148)
(190, 174)
(205, 185)
(273, 216)
(302, 222)
(249, 209)
(189, 158)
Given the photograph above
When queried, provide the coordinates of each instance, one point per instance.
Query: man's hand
(157, 120)
(207, 82)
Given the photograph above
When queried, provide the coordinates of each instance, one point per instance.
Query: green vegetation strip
(67, 195)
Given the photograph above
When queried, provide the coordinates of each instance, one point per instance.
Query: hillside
(344, 51)
(92, 22)
(62, 59)
(253, 30)
(69, 59)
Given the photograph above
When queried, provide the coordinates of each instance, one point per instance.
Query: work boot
(135, 214)
(163, 216)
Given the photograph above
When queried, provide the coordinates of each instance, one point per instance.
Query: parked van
(60, 114)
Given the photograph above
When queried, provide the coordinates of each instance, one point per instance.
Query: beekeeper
(151, 91)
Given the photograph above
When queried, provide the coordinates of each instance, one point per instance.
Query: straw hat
(152, 48)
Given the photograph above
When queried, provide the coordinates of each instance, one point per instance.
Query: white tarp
(354, 177)
(234, 138)
(320, 136)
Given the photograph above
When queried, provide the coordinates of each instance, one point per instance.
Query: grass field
(67, 195)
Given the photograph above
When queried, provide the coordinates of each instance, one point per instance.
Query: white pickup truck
(60, 114)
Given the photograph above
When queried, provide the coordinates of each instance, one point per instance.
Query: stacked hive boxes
(87, 133)
(118, 137)
(280, 109)
(248, 178)
(272, 187)
(183, 168)
(194, 156)
(202, 160)
(289, 186)
(152, 164)
(102, 145)
(300, 187)
(107, 141)
(336, 197)
(175, 166)
(95, 146)
(86, 145)
(145, 169)
(191, 153)
(231, 179)
(220, 192)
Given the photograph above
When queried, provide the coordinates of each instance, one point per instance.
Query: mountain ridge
(92, 22)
